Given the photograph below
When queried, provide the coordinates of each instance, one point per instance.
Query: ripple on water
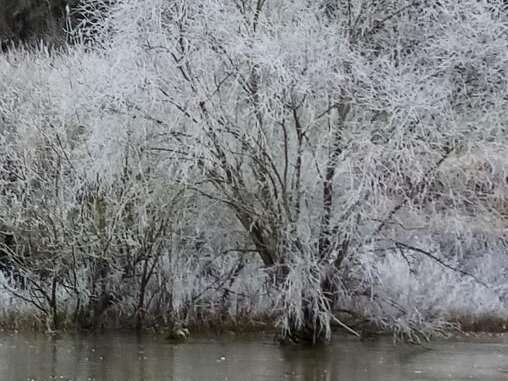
(125, 357)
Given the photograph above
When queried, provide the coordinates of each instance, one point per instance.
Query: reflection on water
(121, 357)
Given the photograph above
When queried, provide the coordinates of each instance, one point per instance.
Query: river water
(125, 357)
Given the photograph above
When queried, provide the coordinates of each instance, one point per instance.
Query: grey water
(125, 357)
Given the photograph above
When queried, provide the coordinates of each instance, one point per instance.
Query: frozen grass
(424, 298)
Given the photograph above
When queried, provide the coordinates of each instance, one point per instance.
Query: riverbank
(459, 326)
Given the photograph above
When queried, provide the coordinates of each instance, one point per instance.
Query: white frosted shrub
(339, 157)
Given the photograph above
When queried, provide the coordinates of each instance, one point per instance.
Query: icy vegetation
(308, 163)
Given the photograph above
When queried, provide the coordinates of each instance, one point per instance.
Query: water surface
(125, 357)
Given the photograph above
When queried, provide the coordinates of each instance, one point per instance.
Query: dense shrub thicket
(29, 21)
(233, 160)
(52, 23)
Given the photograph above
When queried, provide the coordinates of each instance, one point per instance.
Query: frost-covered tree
(324, 127)
(334, 135)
